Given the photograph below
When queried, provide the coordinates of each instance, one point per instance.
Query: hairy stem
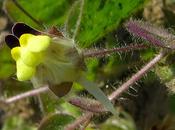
(88, 104)
(136, 76)
(146, 34)
(161, 32)
(85, 124)
(87, 116)
(123, 87)
(66, 24)
(78, 20)
(30, 93)
(103, 52)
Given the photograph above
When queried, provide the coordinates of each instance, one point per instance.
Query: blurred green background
(149, 104)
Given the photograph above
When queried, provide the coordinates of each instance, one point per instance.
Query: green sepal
(92, 88)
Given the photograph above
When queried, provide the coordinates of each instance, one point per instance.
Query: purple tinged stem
(104, 52)
(88, 104)
(121, 89)
(30, 93)
(137, 76)
(134, 28)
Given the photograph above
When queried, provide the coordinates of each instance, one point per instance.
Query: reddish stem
(103, 52)
(136, 76)
(122, 88)
(27, 94)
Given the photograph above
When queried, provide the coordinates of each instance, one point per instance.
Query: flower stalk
(27, 94)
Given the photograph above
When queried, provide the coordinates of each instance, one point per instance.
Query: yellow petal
(24, 72)
(23, 40)
(35, 43)
(30, 58)
(16, 53)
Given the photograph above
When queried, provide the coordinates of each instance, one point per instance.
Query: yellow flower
(29, 54)
(44, 58)
(50, 58)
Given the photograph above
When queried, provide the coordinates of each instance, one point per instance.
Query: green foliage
(6, 63)
(92, 64)
(68, 108)
(49, 12)
(99, 17)
(49, 103)
(115, 123)
(172, 103)
(166, 72)
(55, 122)
(17, 123)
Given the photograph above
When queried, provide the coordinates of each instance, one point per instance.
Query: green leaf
(6, 64)
(55, 122)
(92, 64)
(49, 102)
(102, 16)
(166, 72)
(68, 108)
(172, 103)
(116, 123)
(48, 12)
(98, 17)
(17, 123)
(93, 89)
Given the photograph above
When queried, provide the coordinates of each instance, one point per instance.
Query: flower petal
(31, 58)
(39, 43)
(16, 53)
(24, 72)
(35, 43)
(23, 40)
